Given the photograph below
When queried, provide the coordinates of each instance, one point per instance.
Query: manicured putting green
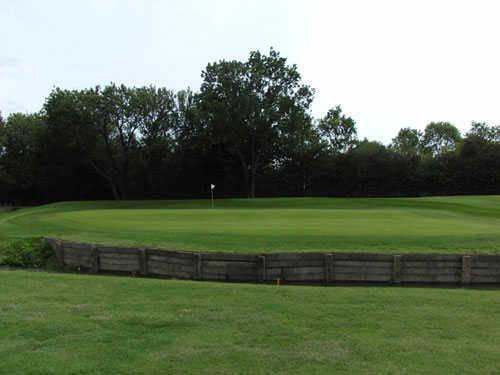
(76, 324)
(438, 224)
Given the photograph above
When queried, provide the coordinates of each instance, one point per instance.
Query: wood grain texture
(308, 267)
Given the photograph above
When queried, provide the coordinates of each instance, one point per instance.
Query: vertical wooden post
(466, 269)
(56, 245)
(143, 261)
(198, 266)
(262, 275)
(328, 268)
(396, 269)
(95, 258)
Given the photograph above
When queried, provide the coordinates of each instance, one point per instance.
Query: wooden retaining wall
(323, 268)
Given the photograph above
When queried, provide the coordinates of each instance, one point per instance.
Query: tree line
(249, 130)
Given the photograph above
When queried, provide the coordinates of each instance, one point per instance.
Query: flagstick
(212, 193)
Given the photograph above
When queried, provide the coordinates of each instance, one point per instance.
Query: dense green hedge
(26, 252)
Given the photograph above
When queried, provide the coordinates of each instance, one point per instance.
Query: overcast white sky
(390, 64)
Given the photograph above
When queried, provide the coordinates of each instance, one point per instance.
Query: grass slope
(437, 224)
(69, 324)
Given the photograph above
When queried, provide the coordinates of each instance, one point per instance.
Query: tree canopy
(248, 129)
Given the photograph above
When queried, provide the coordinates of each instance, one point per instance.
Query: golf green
(468, 224)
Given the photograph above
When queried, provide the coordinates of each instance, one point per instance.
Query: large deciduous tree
(408, 142)
(248, 106)
(440, 138)
(21, 152)
(338, 130)
(484, 132)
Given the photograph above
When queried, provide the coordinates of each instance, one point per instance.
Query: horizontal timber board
(304, 277)
(485, 271)
(119, 267)
(431, 264)
(242, 265)
(176, 254)
(363, 257)
(431, 257)
(294, 256)
(362, 263)
(76, 246)
(485, 264)
(168, 260)
(357, 277)
(229, 257)
(111, 256)
(431, 271)
(430, 278)
(118, 262)
(294, 263)
(115, 250)
(77, 262)
(176, 274)
(239, 277)
(486, 258)
(485, 279)
(303, 270)
(363, 270)
(229, 270)
(170, 267)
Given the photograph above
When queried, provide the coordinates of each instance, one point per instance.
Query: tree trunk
(110, 181)
(252, 181)
(246, 177)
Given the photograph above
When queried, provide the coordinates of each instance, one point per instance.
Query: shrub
(26, 252)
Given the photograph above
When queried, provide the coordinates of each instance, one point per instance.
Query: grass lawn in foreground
(82, 324)
(436, 224)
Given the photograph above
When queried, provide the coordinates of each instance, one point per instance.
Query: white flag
(212, 186)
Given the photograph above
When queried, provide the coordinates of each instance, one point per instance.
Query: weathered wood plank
(362, 257)
(431, 271)
(171, 259)
(491, 279)
(485, 271)
(118, 262)
(170, 273)
(229, 257)
(76, 245)
(485, 258)
(108, 250)
(431, 278)
(117, 255)
(304, 270)
(228, 277)
(308, 277)
(361, 277)
(176, 254)
(171, 267)
(431, 257)
(432, 264)
(363, 263)
(294, 256)
(289, 263)
(485, 264)
(234, 265)
(363, 270)
(120, 267)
